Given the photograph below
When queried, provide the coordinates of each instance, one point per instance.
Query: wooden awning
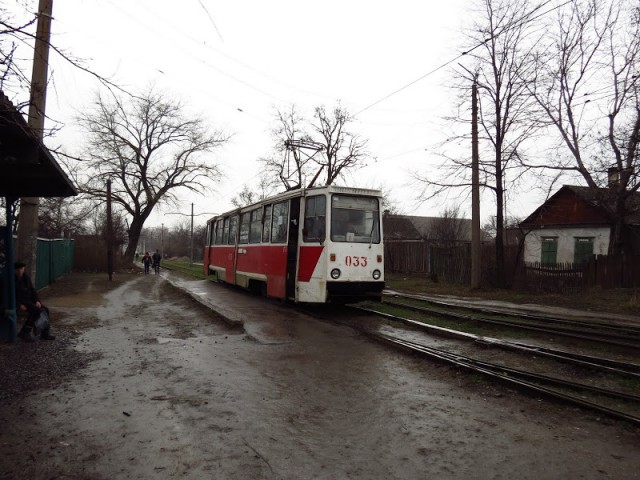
(27, 168)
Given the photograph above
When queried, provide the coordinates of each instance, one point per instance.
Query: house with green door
(573, 224)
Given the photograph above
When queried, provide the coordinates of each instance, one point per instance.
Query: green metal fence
(54, 259)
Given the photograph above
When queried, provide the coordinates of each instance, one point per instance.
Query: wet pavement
(262, 390)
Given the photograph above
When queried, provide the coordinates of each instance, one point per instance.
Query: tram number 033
(350, 261)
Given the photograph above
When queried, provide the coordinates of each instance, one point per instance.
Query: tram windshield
(355, 219)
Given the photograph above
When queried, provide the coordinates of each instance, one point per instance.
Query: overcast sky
(234, 62)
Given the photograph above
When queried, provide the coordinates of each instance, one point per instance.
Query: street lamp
(192, 215)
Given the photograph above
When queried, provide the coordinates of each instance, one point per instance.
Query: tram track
(598, 332)
(541, 384)
(605, 365)
(603, 385)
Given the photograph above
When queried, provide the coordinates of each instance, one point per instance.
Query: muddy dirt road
(143, 382)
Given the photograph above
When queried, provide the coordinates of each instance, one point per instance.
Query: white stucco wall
(566, 242)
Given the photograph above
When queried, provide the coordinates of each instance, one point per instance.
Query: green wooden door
(549, 250)
(583, 249)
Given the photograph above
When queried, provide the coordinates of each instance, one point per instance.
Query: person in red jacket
(27, 300)
(146, 261)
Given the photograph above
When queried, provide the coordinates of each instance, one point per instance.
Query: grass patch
(467, 326)
(190, 269)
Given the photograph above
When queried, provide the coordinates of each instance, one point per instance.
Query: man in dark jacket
(27, 300)
(156, 261)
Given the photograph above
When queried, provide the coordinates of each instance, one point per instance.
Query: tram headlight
(335, 273)
(377, 274)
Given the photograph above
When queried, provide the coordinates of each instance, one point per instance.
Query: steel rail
(629, 330)
(459, 360)
(610, 339)
(598, 363)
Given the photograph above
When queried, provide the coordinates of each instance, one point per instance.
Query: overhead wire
(478, 45)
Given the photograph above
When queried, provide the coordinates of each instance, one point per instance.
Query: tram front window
(355, 219)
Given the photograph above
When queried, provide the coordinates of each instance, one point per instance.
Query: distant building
(433, 229)
(413, 244)
(574, 224)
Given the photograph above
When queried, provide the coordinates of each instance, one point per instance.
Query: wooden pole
(109, 233)
(475, 192)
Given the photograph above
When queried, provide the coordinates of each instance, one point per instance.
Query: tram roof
(303, 192)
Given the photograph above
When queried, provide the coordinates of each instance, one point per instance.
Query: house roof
(595, 205)
(28, 168)
(399, 227)
(408, 227)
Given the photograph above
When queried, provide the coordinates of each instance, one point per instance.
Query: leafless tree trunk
(150, 149)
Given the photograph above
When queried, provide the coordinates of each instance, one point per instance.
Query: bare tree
(118, 227)
(449, 229)
(588, 85)
(59, 217)
(306, 150)
(17, 34)
(290, 162)
(501, 62)
(249, 195)
(343, 150)
(150, 149)
(13, 32)
(489, 228)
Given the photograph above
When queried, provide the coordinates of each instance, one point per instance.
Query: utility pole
(28, 219)
(191, 247)
(191, 215)
(109, 232)
(475, 191)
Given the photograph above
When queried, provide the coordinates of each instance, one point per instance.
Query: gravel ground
(143, 382)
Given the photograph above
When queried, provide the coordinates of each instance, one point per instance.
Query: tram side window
(266, 225)
(233, 230)
(255, 232)
(225, 232)
(314, 219)
(244, 227)
(279, 222)
(218, 232)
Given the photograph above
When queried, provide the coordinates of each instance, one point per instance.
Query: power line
(211, 18)
(520, 22)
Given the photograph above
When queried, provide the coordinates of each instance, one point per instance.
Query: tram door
(292, 246)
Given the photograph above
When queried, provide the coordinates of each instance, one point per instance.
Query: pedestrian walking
(146, 261)
(156, 261)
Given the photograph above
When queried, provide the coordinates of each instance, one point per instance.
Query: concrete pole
(28, 219)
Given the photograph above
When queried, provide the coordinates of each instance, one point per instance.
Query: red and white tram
(317, 245)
